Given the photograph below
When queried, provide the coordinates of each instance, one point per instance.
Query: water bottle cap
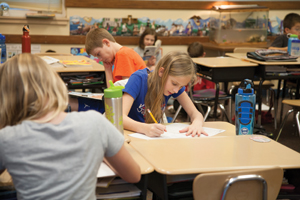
(293, 36)
(26, 28)
(246, 87)
(113, 91)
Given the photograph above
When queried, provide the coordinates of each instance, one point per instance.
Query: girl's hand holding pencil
(155, 130)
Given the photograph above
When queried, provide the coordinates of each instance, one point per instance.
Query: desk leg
(216, 100)
(142, 185)
(297, 89)
(157, 183)
(259, 101)
(283, 95)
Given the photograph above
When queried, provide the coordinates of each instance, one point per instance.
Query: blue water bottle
(3, 48)
(245, 101)
(291, 38)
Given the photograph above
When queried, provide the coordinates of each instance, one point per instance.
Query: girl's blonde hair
(30, 89)
(175, 64)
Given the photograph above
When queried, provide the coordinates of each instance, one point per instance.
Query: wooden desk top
(243, 57)
(229, 129)
(96, 67)
(230, 48)
(145, 166)
(214, 154)
(219, 62)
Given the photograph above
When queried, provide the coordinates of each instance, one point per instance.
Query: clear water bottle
(295, 48)
(291, 38)
(3, 48)
(113, 105)
(245, 101)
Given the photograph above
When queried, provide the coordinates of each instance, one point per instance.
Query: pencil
(152, 116)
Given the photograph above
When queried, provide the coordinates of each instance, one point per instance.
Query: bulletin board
(179, 4)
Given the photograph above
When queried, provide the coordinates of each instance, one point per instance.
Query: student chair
(206, 97)
(244, 184)
(295, 103)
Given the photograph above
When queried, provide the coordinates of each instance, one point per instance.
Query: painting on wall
(130, 26)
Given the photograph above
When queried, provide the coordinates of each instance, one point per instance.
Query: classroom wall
(115, 13)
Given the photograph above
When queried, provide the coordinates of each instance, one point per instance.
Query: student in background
(101, 44)
(195, 50)
(151, 90)
(291, 25)
(148, 38)
(51, 154)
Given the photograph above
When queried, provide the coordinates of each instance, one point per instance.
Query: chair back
(245, 49)
(242, 185)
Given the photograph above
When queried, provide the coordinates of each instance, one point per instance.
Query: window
(19, 8)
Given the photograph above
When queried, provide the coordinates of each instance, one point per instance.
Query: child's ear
(287, 30)
(161, 71)
(106, 42)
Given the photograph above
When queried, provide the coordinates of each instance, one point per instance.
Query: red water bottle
(26, 42)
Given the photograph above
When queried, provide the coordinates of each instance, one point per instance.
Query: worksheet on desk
(173, 132)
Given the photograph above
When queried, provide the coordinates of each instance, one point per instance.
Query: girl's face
(149, 40)
(175, 83)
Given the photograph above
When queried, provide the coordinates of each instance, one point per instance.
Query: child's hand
(151, 61)
(155, 130)
(193, 130)
(108, 65)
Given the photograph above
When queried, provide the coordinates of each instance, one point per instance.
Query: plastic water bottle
(26, 41)
(291, 38)
(3, 48)
(245, 101)
(295, 48)
(113, 105)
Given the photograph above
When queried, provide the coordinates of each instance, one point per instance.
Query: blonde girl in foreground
(151, 90)
(51, 154)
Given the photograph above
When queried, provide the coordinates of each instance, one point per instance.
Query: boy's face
(294, 30)
(104, 54)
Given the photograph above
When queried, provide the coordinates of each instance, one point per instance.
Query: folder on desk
(271, 55)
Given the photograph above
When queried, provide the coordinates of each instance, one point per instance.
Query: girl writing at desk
(51, 154)
(151, 90)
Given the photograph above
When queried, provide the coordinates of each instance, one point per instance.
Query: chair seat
(209, 95)
(292, 102)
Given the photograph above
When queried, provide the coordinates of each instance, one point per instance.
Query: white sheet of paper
(105, 171)
(173, 132)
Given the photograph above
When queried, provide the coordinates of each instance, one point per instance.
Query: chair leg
(207, 112)
(285, 118)
(298, 120)
(176, 114)
(224, 111)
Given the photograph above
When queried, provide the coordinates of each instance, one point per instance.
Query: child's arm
(125, 166)
(108, 73)
(196, 117)
(151, 130)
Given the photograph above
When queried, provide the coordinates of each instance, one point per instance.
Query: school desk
(146, 168)
(220, 50)
(211, 154)
(223, 69)
(72, 71)
(262, 75)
